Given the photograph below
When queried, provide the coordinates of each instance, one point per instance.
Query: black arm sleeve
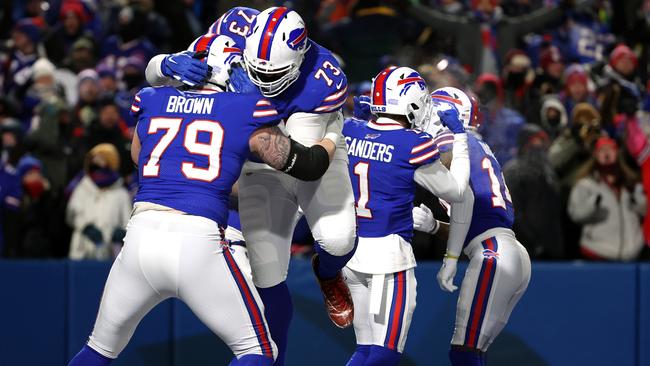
(306, 163)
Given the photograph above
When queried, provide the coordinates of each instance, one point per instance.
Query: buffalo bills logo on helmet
(489, 253)
(297, 38)
(233, 52)
(413, 79)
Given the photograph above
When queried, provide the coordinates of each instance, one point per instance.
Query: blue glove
(92, 232)
(185, 67)
(362, 107)
(238, 80)
(450, 119)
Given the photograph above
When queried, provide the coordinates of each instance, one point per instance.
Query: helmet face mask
(275, 49)
(448, 97)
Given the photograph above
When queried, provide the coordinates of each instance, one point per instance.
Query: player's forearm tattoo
(273, 147)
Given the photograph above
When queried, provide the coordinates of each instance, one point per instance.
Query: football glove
(423, 220)
(186, 68)
(450, 119)
(362, 107)
(238, 80)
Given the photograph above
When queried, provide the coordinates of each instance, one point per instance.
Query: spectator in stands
(484, 36)
(11, 194)
(52, 141)
(110, 128)
(552, 116)
(99, 207)
(17, 68)
(40, 223)
(499, 125)
(81, 56)
(535, 194)
(573, 148)
(42, 88)
(620, 91)
(609, 202)
(518, 78)
(129, 42)
(576, 87)
(551, 68)
(60, 40)
(87, 109)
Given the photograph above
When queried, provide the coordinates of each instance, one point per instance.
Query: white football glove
(447, 273)
(423, 220)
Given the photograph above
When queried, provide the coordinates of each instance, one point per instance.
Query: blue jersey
(194, 145)
(321, 87)
(383, 159)
(235, 23)
(492, 202)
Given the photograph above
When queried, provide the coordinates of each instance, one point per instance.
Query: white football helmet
(275, 49)
(222, 53)
(449, 97)
(400, 91)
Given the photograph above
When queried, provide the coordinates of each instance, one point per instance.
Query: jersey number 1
(497, 197)
(361, 170)
(211, 149)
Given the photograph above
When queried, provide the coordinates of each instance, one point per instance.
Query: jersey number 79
(212, 149)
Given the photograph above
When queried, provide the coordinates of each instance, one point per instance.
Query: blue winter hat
(28, 163)
(30, 29)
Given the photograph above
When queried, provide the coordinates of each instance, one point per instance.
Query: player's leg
(390, 327)
(510, 283)
(475, 303)
(225, 300)
(328, 205)
(128, 296)
(268, 214)
(358, 285)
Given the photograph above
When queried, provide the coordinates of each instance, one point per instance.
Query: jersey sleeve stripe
(336, 95)
(263, 102)
(424, 157)
(422, 146)
(329, 108)
(137, 99)
(266, 113)
(135, 109)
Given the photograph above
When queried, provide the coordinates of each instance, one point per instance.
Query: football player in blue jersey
(387, 159)
(306, 83)
(190, 147)
(481, 227)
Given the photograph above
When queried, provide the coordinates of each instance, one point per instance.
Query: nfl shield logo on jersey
(297, 38)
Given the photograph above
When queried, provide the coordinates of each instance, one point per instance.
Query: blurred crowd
(563, 87)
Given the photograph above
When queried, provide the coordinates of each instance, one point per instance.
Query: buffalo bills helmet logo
(297, 38)
(413, 79)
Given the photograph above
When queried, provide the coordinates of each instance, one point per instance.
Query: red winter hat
(605, 141)
(549, 55)
(75, 7)
(621, 51)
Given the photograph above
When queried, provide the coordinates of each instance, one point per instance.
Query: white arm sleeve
(447, 184)
(309, 128)
(154, 73)
(461, 218)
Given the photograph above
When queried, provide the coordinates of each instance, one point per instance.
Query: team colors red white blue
(492, 203)
(397, 311)
(236, 23)
(254, 312)
(383, 158)
(478, 308)
(204, 43)
(194, 146)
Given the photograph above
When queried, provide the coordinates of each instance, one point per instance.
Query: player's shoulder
(257, 109)
(324, 84)
(352, 126)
